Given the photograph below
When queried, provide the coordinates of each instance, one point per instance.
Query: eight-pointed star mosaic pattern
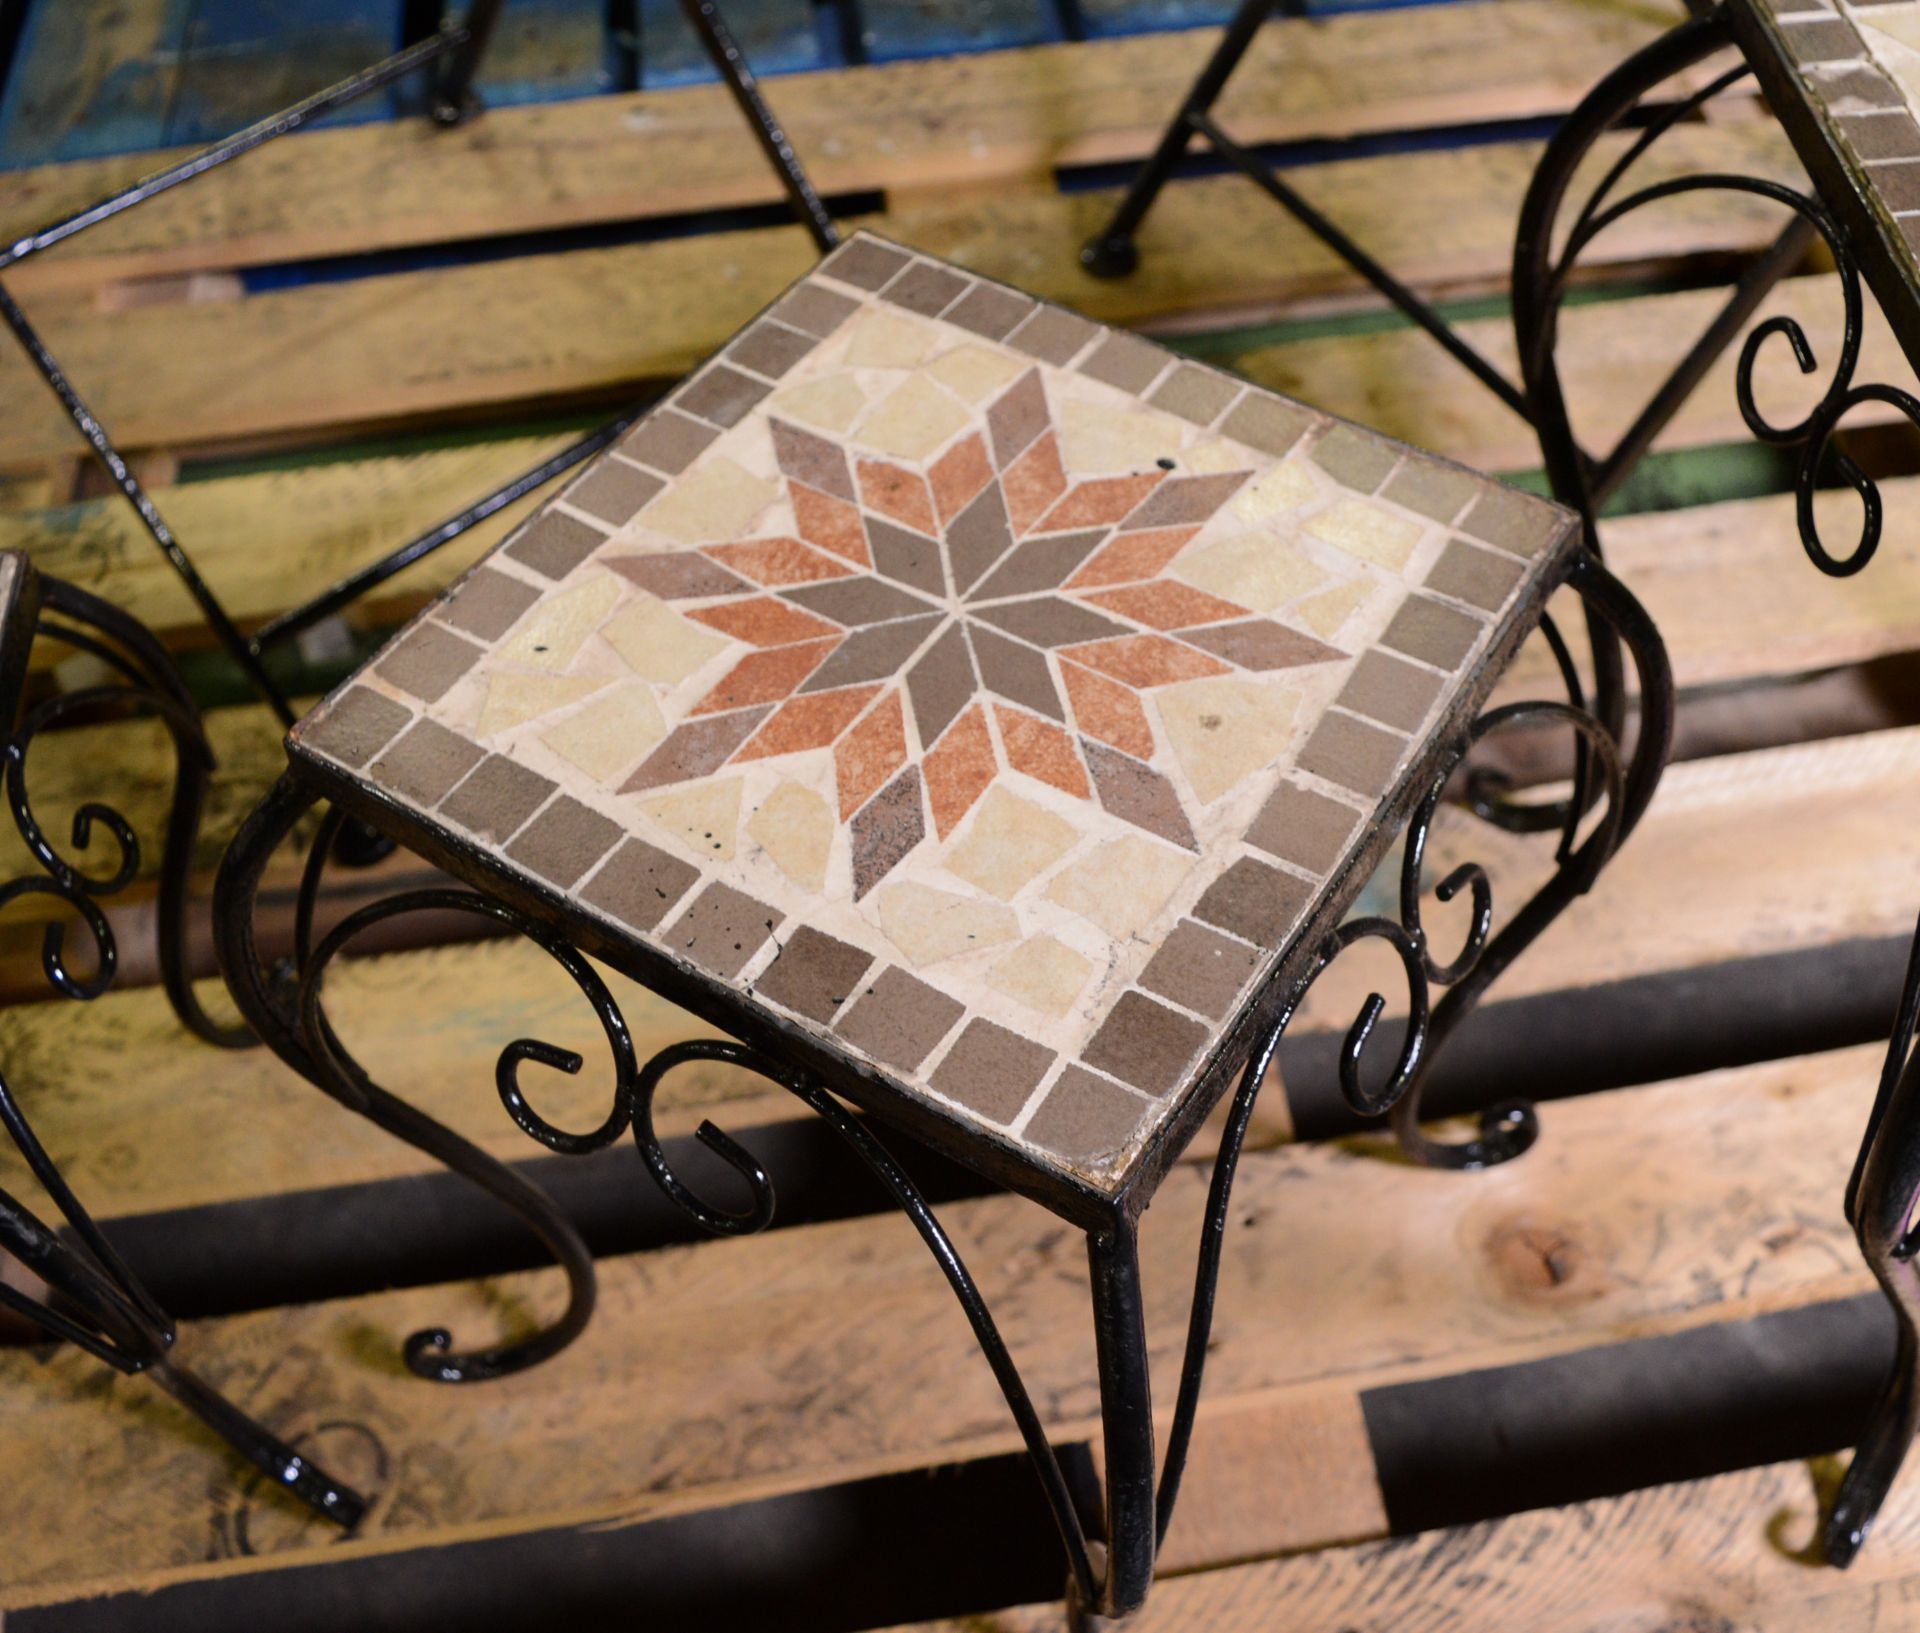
(985, 692)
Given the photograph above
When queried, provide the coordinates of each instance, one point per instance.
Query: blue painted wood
(244, 59)
(777, 36)
(91, 77)
(1108, 19)
(894, 29)
(550, 51)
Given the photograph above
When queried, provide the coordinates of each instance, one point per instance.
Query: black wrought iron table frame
(1884, 1186)
(94, 1298)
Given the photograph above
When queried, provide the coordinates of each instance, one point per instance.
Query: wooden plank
(1729, 1554)
(315, 360)
(833, 1352)
(996, 117)
(1741, 857)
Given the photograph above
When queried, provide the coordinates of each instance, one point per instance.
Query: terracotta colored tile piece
(765, 677)
(1131, 557)
(959, 769)
(899, 493)
(958, 475)
(1146, 660)
(355, 726)
(1144, 1043)
(639, 884)
(993, 1070)
(831, 523)
(808, 722)
(764, 621)
(869, 754)
(1087, 1119)
(1109, 712)
(899, 1019)
(815, 974)
(777, 562)
(427, 661)
(1167, 604)
(1033, 482)
(1041, 751)
(1100, 503)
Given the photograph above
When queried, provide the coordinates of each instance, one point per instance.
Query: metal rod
(1126, 1414)
(102, 445)
(398, 66)
(455, 100)
(732, 64)
(1756, 283)
(357, 584)
(1263, 176)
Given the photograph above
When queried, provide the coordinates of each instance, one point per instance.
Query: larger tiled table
(979, 712)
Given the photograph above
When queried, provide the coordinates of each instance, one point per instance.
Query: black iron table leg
(95, 1300)
(1884, 1188)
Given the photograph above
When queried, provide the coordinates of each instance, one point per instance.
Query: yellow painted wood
(302, 362)
(729, 1370)
(976, 119)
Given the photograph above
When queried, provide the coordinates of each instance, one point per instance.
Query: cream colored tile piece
(794, 825)
(975, 373)
(1010, 841)
(716, 501)
(831, 403)
(514, 699)
(929, 925)
(1123, 885)
(1280, 488)
(656, 643)
(1044, 974)
(609, 734)
(914, 419)
(1211, 458)
(1328, 611)
(882, 338)
(551, 636)
(1222, 731)
(1368, 531)
(1257, 570)
(1097, 438)
(705, 818)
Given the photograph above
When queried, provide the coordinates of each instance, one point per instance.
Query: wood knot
(1547, 1259)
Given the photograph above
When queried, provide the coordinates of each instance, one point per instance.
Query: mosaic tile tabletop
(986, 694)
(1854, 67)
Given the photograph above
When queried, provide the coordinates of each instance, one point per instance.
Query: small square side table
(987, 718)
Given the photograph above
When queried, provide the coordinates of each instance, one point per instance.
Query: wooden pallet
(1689, 1197)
